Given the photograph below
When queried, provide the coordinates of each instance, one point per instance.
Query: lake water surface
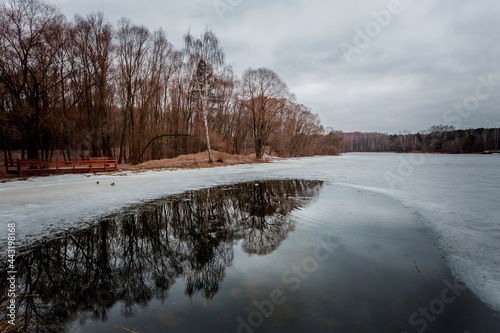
(360, 243)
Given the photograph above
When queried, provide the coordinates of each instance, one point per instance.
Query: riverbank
(198, 160)
(189, 161)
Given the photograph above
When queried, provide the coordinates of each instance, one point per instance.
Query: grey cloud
(428, 58)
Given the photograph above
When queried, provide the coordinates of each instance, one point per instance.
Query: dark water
(274, 256)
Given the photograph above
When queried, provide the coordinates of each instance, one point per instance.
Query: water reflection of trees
(136, 256)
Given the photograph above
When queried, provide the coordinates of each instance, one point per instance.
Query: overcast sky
(367, 65)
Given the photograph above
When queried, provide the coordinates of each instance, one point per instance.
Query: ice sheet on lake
(457, 196)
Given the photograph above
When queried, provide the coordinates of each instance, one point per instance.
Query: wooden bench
(45, 167)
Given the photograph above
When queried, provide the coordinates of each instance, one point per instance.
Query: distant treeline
(440, 139)
(86, 87)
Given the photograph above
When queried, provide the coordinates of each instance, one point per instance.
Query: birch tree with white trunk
(207, 58)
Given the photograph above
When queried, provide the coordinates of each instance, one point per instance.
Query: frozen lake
(456, 196)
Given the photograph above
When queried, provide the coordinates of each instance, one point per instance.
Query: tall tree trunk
(259, 147)
(205, 123)
(121, 155)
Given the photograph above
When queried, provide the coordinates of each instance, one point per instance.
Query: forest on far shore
(85, 87)
(437, 139)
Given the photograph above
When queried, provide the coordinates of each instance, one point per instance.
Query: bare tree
(207, 58)
(32, 35)
(265, 96)
(484, 135)
(152, 95)
(297, 131)
(402, 139)
(133, 45)
(222, 109)
(91, 59)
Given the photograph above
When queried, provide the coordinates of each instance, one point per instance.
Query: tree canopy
(87, 87)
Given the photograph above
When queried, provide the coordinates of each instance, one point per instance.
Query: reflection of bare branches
(268, 205)
(264, 235)
(137, 256)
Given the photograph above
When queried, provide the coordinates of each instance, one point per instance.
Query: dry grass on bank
(199, 160)
(190, 161)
